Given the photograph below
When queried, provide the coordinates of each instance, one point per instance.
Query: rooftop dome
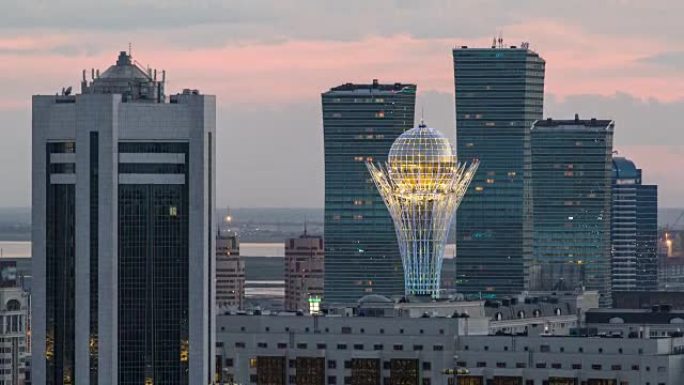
(124, 69)
(421, 159)
(374, 299)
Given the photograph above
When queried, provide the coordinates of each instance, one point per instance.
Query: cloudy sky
(268, 61)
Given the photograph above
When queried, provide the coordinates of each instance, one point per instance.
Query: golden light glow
(422, 184)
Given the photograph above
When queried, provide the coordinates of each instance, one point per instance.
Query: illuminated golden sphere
(421, 160)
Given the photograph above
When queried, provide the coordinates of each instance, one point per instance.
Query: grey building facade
(360, 123)
(123, 232)
(499, 94)
(569, 205)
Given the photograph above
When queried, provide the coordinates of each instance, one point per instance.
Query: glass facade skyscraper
(360, 123)
(569, 196)
(634, 229)
(123, 237)
(499, 94)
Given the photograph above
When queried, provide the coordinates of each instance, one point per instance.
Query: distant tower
(123, 226)
(360, 123)
(230, 270)
(499, 93)
(304, 268)
(634, 229)
(422, 185)
(569, 197)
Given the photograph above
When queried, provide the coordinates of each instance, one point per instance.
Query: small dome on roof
(124, 69)
(373, 298)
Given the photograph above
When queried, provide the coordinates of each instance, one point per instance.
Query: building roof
(375, 86)
(574, 124)
(624, 168)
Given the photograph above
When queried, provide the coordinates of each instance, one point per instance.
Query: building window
(301, 346)
(616, 367)
(347, 364)
(341, 347)
(347, 380)
(481, 364)
(635, 367)
(229, 362)
(541, 365)
(332, 364)
(438, 348)
(556, 365)
(461, 364)
(262, 345)
(253, 378)
(577, 366)
(426, 381)
(417, 347)
(282, 345)
(346, 330)
(332, 380)
(520, 365)
(240, 345)
(398, 347)
(427, 365)
(596, 367)
(500, 364)
(377, 347)
(358, 346)
(321, 346)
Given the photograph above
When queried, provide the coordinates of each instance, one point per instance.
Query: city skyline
(598, 65)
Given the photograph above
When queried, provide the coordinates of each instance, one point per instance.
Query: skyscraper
(422, 185)
(123, 232)
(499, 94)
(569, 197)
(634, 229)
(304, 271)
(360, 123)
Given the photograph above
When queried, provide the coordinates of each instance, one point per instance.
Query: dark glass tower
(360, 123)
(634, 229)
(647, 237)
(499, 94)
(570, 166)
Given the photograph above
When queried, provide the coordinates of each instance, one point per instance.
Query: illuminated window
(479, 188)
(490, 124)
(490, 180)
(173, 211)
(380, 114)
(253, 362)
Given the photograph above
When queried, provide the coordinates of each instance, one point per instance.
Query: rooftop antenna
(494, 42)
(500, 41)
(422, 116)
(305, 227)
(129, 49)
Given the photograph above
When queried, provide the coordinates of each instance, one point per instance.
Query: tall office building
(123, 232)
(230, 271)
(569, 195)
(304, 271)
(499, 94)
(634, 229)
(360, 123)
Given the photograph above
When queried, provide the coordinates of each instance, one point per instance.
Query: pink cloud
(662, 165)
(577, 63)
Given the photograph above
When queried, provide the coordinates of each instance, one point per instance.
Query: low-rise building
(14, 333)
(380, 341)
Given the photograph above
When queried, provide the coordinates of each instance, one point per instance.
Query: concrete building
(230, 271)
(123, 232)
(360, 123)
(499, 94)
(552, 360)
(634, 229)
(304, 271)
(568, 198)
(378, 341)
(15, 341)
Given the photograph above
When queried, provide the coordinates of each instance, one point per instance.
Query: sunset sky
(269, 61)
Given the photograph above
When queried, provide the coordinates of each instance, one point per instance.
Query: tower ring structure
(422, 185)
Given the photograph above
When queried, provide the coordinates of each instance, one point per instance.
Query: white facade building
(14, 332)
(123, 232)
